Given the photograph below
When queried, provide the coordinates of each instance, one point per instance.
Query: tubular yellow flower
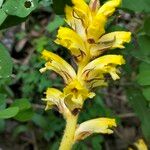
(76, 93)
(110, 41)
(96, 28)
(57, 64)
(82, 10)
(75, 22)
(71, 40)
(140, 145)
(95, 70)
(53, 98)
(56, 99)
(99, 125)
(118, 38)
(109, 7)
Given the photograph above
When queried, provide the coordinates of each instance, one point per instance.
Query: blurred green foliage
(5, 62)
(22, 102)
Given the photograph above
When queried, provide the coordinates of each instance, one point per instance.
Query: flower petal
(109, 7)
(57, 64)
(118, 38)
(75, 22)
(83, 11)
(94, 5)
(76, 93)
(95, 70)
(71, 40)
(110, 41)
(140, 145)
(99, 125)
(96, 28)
(53, 98)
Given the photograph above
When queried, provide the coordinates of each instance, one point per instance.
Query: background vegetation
(29, 26)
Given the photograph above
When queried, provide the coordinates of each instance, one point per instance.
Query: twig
(35, 106)
(127, 115)
(34, 141)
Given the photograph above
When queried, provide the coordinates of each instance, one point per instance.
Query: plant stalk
(68, 137)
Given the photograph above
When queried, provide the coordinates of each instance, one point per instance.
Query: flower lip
(98, 125)
(76, 93)
(59, 65)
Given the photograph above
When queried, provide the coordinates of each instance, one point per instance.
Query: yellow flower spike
(140, 145)
(108, 8)
(57, 64)
(54, 97)
(96, 69)
(71, 40)
(76, 93)
(85, 41)
(99, 125)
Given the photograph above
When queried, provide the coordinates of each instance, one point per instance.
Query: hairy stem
(68, 137)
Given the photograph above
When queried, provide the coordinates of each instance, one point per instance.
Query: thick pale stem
(68, 138)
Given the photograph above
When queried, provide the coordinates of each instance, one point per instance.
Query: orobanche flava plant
(87, 42)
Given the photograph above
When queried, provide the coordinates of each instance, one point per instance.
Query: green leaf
(3, 16)
(25, 110)
(40, 121)
(1, 2)
(62, 3)
(11, 21)
(136, 5)
(2, 99)
(8, 112)
(146, 93)
(139, 104)
(20, 8)
(5, 62)
(40, 43)
(48, 134)
(143, 51)
(24, 115)
(144, 44)
(2, 125)
(144, 66)
(147, 26)
(19, 129)
(143, 77)
(22, 104)
(57, 22)
(97, 142)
